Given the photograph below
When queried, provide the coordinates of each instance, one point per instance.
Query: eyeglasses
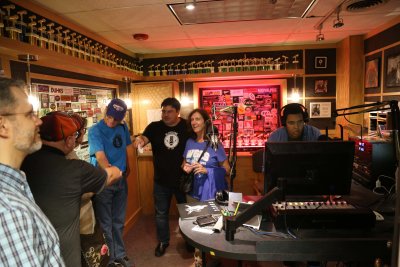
(76, 134)
(29, 114)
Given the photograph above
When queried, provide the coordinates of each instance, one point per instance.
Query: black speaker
(222, 197)
(293, 108)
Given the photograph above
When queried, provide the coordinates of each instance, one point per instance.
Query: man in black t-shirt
(57, 183)
(168, 139)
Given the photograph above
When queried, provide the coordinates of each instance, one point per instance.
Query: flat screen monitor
(310, 168)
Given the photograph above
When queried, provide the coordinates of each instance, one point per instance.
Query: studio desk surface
(309, 244)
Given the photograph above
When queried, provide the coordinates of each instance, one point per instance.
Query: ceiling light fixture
(318, 26)
(295, 96)
(32, 97)
(190, 5)
(338, 22)
(320, 36)
(185, 98)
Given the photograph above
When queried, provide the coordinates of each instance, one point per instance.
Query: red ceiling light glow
(140, 36)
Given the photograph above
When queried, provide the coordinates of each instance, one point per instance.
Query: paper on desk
(204, 230)
(234, 197)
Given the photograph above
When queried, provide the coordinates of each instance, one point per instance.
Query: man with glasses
(57, 183)
(294, 117)
(108, 142)
(27, 237)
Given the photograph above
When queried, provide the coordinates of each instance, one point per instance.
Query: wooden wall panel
(133, 207)
(5, 65)
(349, 83)
(148, 96)
(146, 182)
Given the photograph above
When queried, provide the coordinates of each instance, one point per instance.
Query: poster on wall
(88, 103)
(372, 73)
(257, 108)
(320, 109)
(393, 71)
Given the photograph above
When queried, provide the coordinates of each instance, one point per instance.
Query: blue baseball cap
(116, 109)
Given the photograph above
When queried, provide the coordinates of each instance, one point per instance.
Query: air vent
(362, 5)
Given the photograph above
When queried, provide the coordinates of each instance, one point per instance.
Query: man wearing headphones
(293, 118)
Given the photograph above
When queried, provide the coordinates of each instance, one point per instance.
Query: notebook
(195, 209)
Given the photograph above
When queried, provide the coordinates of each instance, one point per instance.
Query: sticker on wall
(85, 92)
(42, 88)
(212, 92)
(75, 98)
(66, 98)
(56, 90)
(91, 99)
(236, 92)
(75, 106)
(44, 99)
(85, 106)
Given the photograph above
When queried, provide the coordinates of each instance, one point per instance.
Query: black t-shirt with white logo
(168, 144)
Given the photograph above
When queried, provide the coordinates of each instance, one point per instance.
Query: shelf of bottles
(223, 66)
(22, 25)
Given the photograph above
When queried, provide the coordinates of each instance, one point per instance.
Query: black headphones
(222, 197)
(293, 108)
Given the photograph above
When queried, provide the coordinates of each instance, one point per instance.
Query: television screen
(310, 168)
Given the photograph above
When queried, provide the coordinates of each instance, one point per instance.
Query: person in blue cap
(108, 142)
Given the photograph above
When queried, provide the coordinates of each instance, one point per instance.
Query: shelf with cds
(377, 122)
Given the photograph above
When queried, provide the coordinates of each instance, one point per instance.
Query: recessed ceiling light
(190, 6)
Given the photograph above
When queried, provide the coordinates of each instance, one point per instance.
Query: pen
(237, 207)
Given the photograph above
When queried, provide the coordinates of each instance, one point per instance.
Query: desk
(312, 245)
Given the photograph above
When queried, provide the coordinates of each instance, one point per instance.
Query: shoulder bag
(186, 179)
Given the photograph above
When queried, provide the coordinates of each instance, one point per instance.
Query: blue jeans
(162, 202)
(110, 210)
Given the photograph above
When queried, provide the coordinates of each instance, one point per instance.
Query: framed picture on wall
(393, 71)
(321, 86)
(320, 109)
(321, 62)
(372, 73)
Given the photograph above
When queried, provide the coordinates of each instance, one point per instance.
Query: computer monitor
(310, 168)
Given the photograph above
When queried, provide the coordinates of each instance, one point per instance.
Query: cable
(361, 126)
(378, 185)
(385, 176)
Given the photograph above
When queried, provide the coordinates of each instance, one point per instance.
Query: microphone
(212, 134)
(213, 112)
